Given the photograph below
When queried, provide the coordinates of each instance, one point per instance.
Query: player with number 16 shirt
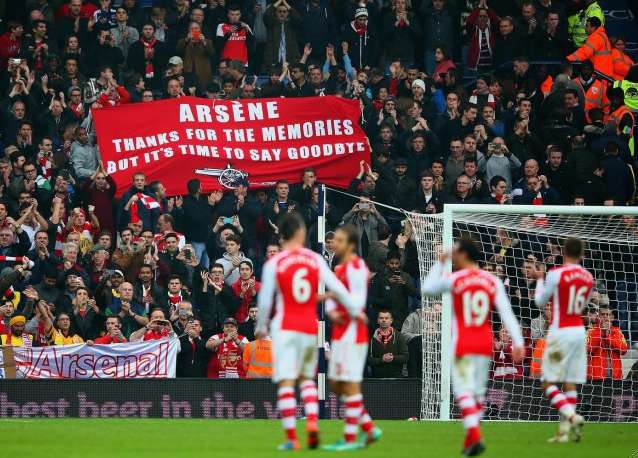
(565, 358)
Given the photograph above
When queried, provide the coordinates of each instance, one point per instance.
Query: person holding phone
(157, 328)
(391, 289)
(367, 219)
(197, 51)
(232, 259)
(113, 332)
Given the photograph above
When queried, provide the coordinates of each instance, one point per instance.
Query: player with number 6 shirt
(565, 358)
(475, 294)
(292, 279)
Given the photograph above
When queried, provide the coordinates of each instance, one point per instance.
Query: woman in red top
(444, 63)
(246, 288)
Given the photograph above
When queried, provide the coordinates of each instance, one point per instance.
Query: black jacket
(213, 308)
(196, 218)
(192, 359)
(362, 49)
(398, 346)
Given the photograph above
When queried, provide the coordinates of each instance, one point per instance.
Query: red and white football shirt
(354, 275)
(475, 294)
(293, 277)
(236, 47)
(569, 288)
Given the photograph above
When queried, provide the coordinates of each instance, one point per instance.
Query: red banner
(223, 141)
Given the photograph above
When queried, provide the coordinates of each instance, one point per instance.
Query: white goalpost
(513, 239)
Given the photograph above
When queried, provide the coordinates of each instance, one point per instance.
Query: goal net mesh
(511, 244)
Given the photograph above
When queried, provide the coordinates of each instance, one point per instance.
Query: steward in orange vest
(597, 48)
(593, 89)
(605, 345)
(621, 119)
(258, 358)
(621, 61)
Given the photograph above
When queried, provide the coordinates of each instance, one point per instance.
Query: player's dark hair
(573, 247)
(351, 233)
(471, 249)
(290, 225)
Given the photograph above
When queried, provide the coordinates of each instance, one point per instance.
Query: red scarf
(175, 299)
(149, 70)
(360, 29)
(384, 335)
(38, 64)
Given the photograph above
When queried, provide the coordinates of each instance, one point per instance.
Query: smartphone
(15, 61)
(197, 34)
(187, 255)
(364, 206)
(228, 220)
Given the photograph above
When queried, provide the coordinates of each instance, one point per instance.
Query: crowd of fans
(455, 109)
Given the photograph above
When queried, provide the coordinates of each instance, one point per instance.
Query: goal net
(513, 239)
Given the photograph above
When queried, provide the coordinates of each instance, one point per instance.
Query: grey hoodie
(231, 273)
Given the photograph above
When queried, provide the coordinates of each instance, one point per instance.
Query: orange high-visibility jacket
(258, 359)
(622, 64)
(546, 86)
(595, 96)
(597, 48)
(602, 349)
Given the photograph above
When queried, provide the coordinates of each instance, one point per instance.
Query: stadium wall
(185, 398)
(190, 398)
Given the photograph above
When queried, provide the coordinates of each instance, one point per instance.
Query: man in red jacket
(113, 332)
(10, 42)
(605, 345)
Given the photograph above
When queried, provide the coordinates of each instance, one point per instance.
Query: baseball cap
(175, 60)
(118, 272)
(230, 320)
(400, 161)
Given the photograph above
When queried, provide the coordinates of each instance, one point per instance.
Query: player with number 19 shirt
(474, 293)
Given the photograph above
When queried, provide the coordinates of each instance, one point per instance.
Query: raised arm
(437, 282)
(545, 288)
